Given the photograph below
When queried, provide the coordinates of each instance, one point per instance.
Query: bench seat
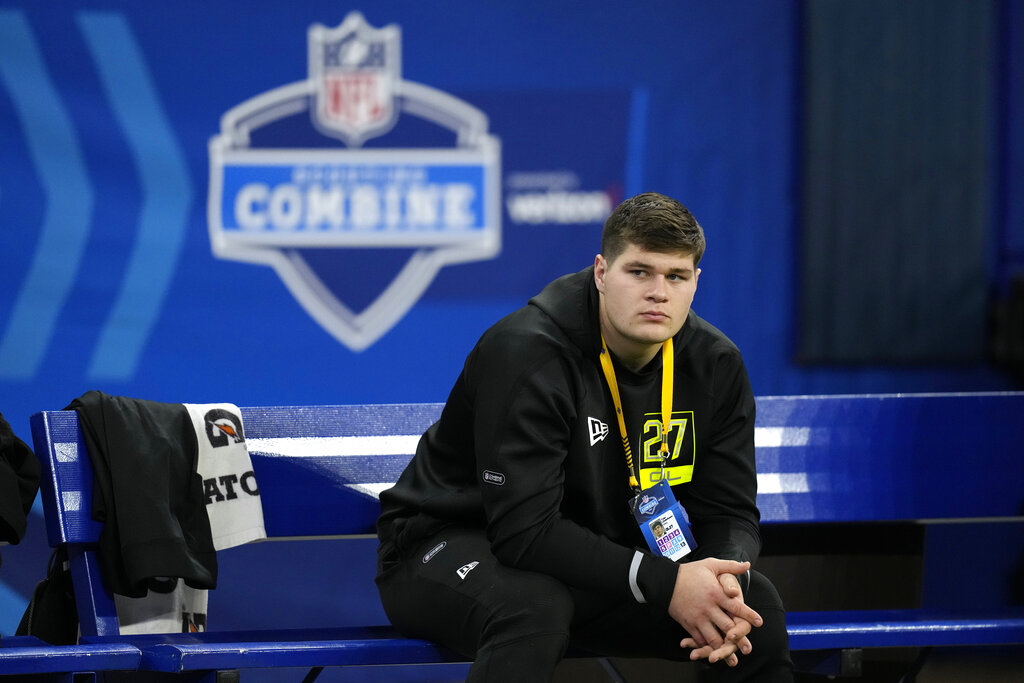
(904, 628)
(381, 645)
(346, 646)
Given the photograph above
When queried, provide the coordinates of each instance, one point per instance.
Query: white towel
(181, 609)
(232, 496)
(236, 517)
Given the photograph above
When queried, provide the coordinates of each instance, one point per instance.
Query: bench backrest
(319, 468)
(820, 459)
(894, 457)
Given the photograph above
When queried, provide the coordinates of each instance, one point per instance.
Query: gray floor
(952, 665)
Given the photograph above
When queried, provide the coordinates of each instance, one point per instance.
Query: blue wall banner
(267, 204)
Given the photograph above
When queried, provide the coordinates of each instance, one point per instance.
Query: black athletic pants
(517, 625)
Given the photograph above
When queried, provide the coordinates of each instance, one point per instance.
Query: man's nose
(658, 290)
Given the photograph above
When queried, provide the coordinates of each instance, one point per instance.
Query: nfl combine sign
(355, 69)
(274, 201)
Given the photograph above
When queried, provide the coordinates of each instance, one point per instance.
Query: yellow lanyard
(667, 375)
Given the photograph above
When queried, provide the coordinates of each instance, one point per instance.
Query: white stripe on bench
(402, 444)
(372, 490)
(773, 482)
(399, 444)
(313, 446)
(777, 437)
(766, 483)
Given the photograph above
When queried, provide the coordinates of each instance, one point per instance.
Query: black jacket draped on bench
(147, 493)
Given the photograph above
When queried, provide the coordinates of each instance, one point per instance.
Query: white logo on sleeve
(465, 569)
(496, 478)
(434, 551)
(598, 430)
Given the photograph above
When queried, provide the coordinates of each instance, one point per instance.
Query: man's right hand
(706, 610)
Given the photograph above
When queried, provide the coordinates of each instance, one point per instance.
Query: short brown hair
(652, 222)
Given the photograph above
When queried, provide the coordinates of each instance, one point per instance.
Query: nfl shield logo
(356, 69)
(307, 210)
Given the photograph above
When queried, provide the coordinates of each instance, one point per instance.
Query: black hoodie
(518, 450)
(19, 483)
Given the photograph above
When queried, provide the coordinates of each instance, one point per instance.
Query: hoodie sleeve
(19, 482)
(524, 406)
(721, 499)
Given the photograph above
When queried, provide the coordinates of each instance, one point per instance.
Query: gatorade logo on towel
(232, 495)
(223, 427)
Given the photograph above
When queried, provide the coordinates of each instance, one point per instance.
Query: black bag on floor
(51, 615)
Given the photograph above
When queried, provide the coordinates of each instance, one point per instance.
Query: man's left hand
(735, 641)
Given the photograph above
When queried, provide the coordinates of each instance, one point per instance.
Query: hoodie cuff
(652, 579)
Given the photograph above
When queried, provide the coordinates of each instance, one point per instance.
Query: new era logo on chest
(598, 430)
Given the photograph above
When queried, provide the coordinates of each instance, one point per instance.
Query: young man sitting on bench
(523, 524)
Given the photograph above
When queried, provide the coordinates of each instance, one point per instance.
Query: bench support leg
(832, 663)
(911, 675)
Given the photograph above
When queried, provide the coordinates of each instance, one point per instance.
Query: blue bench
(824, 459)
(24, 656)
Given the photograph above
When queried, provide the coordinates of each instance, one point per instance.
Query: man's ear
(600, 268)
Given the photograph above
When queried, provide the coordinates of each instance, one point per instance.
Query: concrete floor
(982, 665)
(950, 665)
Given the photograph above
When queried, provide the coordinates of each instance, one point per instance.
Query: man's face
(645, 298)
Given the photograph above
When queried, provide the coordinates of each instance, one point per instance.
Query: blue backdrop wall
(118, 178)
